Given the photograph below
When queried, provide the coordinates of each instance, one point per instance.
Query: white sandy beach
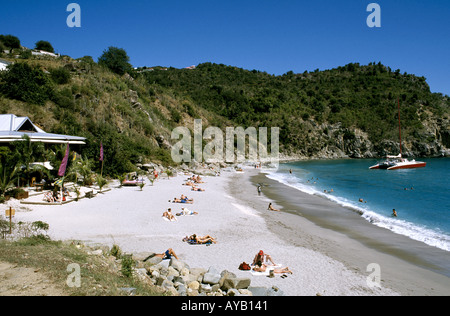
(132, 219)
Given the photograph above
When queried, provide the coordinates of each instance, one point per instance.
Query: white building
(44, 53)
(12, 128)
(4, 64)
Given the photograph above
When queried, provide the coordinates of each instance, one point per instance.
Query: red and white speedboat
(398, 162)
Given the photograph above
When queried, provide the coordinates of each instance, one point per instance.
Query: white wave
(413, 231)
(401, 227)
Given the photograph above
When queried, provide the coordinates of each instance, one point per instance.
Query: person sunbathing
(169, 215)
(202, 240)
(259, 258)
(197, 189)
(175, 200)
(185, 198)
(166, 255)
(190, 183)
(185, 211)
(197, 179)
(263, 268)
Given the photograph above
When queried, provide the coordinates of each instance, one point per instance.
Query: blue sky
(273, 36)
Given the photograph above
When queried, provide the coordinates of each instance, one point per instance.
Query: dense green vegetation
(132, 112)
(45, 46)
(357, 96)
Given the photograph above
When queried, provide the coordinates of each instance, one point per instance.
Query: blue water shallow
(421, 196)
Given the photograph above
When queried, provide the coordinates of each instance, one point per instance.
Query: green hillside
(348, 111)
(362, 97)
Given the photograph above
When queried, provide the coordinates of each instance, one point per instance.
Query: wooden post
(10, 213)
(10, 220)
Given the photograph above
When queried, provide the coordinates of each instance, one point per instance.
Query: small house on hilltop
(44, 53)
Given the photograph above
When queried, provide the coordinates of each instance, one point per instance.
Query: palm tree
(8, 169)
(101, 182)
(83, 168)
(27, 152)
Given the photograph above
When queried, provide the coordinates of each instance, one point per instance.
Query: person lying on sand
(271, 208)
(197, 179)
(184, 197)
(200, 240)
(166, 255)
(175, 200)
(185, 211)
(259, 258)
(169, 215)
(197, 189)
(190, 183)
(263, 268)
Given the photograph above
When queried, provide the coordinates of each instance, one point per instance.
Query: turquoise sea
(421, 197)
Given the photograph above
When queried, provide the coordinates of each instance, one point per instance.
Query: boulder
(205, 288)
(235, 283)
(258, 290)
(153, 261)
(182, 291)
(195, 286)
(196, 274)
(173, 272)
(210, 278)
(233, 292)
(226, 275)
(177, 264)
(245, 292)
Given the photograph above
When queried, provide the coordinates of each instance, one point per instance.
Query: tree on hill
(10, 41)
(116, 59)
(25, 83)
(45, 46)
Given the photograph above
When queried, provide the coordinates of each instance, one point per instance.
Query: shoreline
(231, 211)
(407, 266)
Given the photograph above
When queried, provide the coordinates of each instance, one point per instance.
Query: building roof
(12, 128)
(4, 61)
(4, 64)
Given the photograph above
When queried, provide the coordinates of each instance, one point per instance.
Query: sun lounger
(131, 183)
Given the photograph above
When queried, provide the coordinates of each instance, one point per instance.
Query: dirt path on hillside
(19, 281)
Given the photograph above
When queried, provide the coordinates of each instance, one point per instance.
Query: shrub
(10, 41)
(25, 83)
(26, 54)
(116, 251)
(45, 46)
(116, 59)
(127, 266)
(60, 75)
